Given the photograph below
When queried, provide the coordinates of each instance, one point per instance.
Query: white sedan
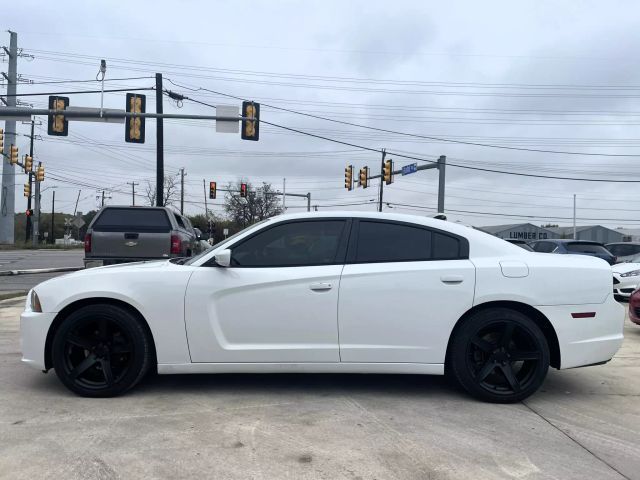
(626, 277)
(333, 292)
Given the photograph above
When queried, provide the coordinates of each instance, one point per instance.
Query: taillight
(87, 243)
(176, 245)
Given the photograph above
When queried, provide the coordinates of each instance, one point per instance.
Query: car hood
(625, 267)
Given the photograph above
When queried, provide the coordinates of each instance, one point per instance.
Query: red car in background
(634, 306)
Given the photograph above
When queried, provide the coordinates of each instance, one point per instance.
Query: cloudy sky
(538, 75)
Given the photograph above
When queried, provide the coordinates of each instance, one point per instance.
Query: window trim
(340, 254)
(355, 234)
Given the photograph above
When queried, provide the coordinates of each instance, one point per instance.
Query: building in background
(520, 231)
(630, 234)
(595, 233)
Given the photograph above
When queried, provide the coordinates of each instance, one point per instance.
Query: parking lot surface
(584, 423)
(34, 259)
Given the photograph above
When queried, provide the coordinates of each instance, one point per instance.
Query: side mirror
(223, 258)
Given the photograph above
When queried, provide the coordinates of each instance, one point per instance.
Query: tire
(101, 351)
(499, 356)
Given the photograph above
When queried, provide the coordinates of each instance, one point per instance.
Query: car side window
(290, 245)
(395, 242)
(544, 247)
(179, 220)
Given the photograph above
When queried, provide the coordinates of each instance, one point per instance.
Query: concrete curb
(12, 295)
(6, 273)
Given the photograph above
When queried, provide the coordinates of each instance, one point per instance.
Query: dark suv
(575, 247)
(131, 234)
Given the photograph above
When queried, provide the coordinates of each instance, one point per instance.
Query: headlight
(35, 302)
(633, 273)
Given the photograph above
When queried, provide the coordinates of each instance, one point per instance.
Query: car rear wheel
(499, 355)
(101, 351)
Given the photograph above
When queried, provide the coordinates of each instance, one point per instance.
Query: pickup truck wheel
(499, 355)
(101, 351)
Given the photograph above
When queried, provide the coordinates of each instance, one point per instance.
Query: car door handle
(452, 279)
(318, 287)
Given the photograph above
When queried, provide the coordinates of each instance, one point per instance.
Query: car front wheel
(101, 351)
(499, 355)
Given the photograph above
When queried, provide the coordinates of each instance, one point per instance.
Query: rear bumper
(102, 261)
(587, 341)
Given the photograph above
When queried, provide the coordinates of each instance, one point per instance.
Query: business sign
(528, 235)
(408, 169)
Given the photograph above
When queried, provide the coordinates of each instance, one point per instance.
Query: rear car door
(403, 288)
(131, 233)
(276, 302)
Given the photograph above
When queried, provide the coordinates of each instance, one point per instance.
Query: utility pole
(30, 173)
(182, 174)
(8, 192)
(206, 210)
(442, 164)
(574, 216)
(53, 213)
(133, 192)
(284, 195)
(384, 154)
(159, 144)
(309, 202)
(36, 219)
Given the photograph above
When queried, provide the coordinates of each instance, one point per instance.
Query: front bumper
(624, 286)
(34, 327)
(586, 341)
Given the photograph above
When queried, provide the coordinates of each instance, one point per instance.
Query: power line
(77, 92)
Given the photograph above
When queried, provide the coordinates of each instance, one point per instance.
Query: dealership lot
(583, 423)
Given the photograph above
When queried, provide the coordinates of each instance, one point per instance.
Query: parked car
(131, 234)
(521, 243)
(626, 277)
(575, 247)
(352, 292)
(634, 307)
(624, 251)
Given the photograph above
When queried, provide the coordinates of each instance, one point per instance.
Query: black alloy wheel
(101, 351)
(500, 355)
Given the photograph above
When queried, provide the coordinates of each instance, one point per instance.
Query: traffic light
(348, 178)
(1, 140)
(29, 212)
(134, 126)
(387, 172)
(28, 163)
(13, 155)
(27, 190)
(243, 189)
(58, 124)
(212, 190)
(40, 174)
(250, 128)
(363, 178)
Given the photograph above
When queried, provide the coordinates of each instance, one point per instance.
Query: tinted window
(291, 244)
(388, 242)
(587, 248)
(445, 247)
(132, 220)
(544, 247)
(179, 220)
(622, 250)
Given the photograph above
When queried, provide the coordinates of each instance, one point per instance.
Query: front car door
(278, 300)
(402, 290)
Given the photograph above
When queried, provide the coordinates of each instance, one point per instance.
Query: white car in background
(626, 277)
(349, 292)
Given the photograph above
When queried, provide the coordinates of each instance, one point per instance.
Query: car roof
(622, 243)
(570, 240)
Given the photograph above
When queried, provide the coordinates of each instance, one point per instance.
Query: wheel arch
(536, 315)
(73, 306)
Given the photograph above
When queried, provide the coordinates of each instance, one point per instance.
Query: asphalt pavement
(34, 259)
(584, 423)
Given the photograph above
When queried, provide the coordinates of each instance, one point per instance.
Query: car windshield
(192, 260)
(580, 247)
(635, 259)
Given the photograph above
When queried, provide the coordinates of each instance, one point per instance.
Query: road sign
(67, 222)
(78, 222)
(408, 169)
(223, 126)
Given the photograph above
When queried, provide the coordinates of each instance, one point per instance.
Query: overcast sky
(528, 74)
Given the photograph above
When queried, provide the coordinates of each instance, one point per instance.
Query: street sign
(67, 222)
(78, 222)
(408, 169)
(225, 232)
(223, 126)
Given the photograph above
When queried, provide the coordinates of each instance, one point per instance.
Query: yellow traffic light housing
(58, 124)
(28, 163)
(1, 140)
(250, 128)
(363, 178)
(387, 172)
(40, 174)
(27, 190)
(348, 178)
(213, 187)
(134, 126)
(13, 155)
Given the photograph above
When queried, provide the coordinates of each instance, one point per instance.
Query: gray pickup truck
(132, 234)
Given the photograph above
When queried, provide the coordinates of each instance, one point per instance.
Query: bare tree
(170, 191)
(260, 203)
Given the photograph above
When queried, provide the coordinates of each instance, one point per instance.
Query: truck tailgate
(130, 244)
